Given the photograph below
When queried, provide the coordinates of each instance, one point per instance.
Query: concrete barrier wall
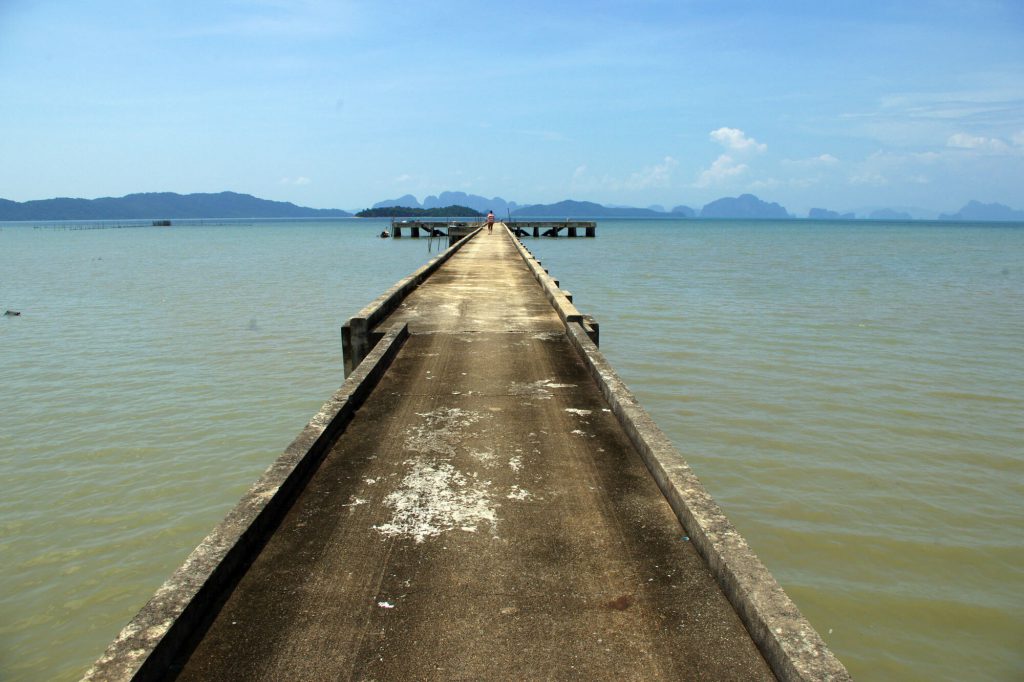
(560, 300)
(169, 626)
(792, 647)
(357, 338)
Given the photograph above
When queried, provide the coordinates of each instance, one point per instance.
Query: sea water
(850, 392)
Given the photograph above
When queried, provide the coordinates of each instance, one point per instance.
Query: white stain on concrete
(440, 431)
(435, 498)
(515, 464)
(485, 457)
(517, 493)
(577, 412)
(538, 389)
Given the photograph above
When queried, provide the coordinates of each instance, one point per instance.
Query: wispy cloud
(297, 181)
(884, 168)
(980, 143)
(941, 118)
(868, 177)
(953, 106)
(722, 169)
(658, 175)
(820, 161)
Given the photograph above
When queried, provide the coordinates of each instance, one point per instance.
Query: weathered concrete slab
(484, 517)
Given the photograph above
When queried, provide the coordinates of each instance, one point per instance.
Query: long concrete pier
(482, 499)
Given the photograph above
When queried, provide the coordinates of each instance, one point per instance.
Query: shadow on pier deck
(482, 499)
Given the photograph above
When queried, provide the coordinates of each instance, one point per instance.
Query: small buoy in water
(12, 313)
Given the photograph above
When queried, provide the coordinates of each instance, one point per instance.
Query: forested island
(407, 212)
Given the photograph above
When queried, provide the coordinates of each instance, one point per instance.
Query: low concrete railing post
(358, 335)
(355, 342)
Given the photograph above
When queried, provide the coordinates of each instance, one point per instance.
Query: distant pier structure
(552, 228)
(432, 228)
(455, 230)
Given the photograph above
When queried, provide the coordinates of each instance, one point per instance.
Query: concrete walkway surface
(483, 516)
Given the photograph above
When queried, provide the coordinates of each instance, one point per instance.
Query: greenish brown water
(851, 393)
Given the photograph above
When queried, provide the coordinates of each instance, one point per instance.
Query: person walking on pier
(490, 221)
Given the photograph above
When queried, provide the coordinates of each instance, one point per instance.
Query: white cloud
(301, 180)
(658, 175)
(404, 177)
(584, 181)
(769, 183)
(723, 168)
(821, 161)
(987, 145)
(978, 143)
(868, 178)
(736, 140)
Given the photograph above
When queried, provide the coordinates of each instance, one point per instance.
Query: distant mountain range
(743, 206)
(975, 210)
(748, 206)
(583, 209)
(160, 205)
(474, 201)
(168, 205)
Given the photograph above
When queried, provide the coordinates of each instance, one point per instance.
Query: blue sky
(340, 104)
